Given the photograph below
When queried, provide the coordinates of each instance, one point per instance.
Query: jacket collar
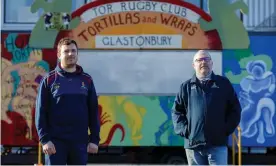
(59, 69)
(194, 79)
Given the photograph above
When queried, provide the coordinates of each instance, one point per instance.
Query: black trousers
(69, 153)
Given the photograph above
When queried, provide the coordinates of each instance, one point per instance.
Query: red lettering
(188, 26)
(115, 20)
(181, 24)
(105, 22)
(120, 19)
(82, 34)
(178, 23)
(128, 18)
(136, 15)
(112, 20)
(165, 20)
(98, 26)
(174, 21)
(92, 31)
(193, 31)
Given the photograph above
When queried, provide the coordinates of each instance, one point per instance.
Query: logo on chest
(56, 86)
(193, 87)
(83, 86)
(214, 86)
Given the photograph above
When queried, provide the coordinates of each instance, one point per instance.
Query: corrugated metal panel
(261, 16)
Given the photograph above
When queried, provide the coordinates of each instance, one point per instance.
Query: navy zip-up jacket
(66, 107)
(206, 115)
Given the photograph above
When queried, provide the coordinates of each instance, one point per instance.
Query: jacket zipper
(205, 113)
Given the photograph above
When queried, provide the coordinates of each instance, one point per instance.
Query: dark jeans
(67, 153)
(207, 156)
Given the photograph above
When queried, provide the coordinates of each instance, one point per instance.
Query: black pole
(201, 4)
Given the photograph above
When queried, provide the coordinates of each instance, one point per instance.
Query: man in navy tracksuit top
(205, 112)
(66, 107)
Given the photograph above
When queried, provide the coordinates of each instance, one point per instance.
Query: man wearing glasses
(206, 111)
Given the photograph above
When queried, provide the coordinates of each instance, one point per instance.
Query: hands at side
(49, 148)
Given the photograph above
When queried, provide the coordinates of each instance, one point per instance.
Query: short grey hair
(201, 52)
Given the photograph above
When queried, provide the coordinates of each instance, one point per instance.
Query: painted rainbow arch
(159, 24)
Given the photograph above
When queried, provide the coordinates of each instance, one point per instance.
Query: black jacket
(206, 115)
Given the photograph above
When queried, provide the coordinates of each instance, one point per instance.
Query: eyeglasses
(206, 59)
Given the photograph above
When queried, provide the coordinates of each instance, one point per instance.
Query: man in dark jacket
(66, 107)
(205, 112)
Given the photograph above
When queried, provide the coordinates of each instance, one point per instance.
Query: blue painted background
(255, 88)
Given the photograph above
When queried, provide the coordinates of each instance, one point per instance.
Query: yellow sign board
(142, 25)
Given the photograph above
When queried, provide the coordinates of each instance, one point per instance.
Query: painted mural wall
(143, 120)
(22, 69)
(252, 73)
(125, 120)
